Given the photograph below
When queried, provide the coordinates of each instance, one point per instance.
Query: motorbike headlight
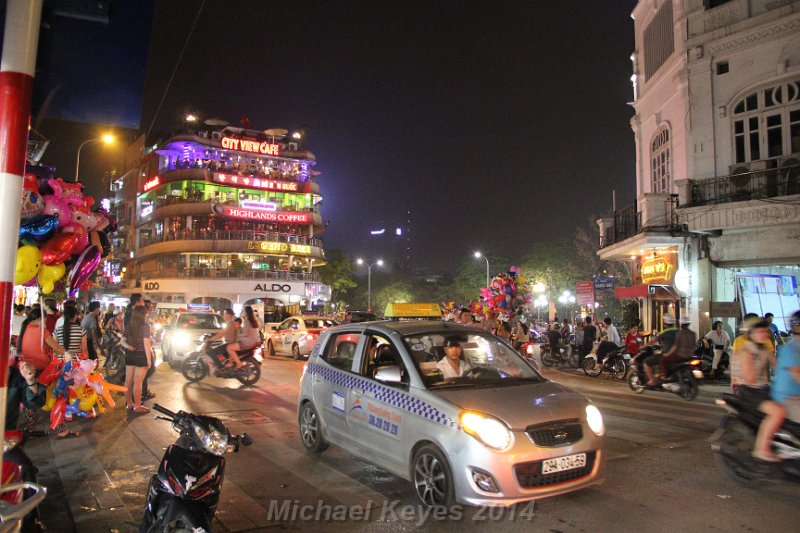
(595, 420)
(157, 326)
(181, 338)
(488, 430)
(213, 440)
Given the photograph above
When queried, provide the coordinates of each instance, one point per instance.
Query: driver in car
(452, 364)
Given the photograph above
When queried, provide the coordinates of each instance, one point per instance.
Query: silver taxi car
(451, 408)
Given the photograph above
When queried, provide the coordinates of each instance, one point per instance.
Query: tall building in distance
(713, 232)
(222, 215)
(391, 241)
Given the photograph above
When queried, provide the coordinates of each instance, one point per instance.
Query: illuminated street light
(479, 255)
(297, 135)
(105, 139)
(190, 118)
(539, 287)
(379, 262)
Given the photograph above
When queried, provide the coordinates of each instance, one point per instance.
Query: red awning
(637, 291)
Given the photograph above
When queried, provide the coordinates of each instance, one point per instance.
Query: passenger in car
(452, 364)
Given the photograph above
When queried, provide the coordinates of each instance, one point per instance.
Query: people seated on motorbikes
(453, 364)
(609, 341)
(554, 338)
(785, 393)
(719, 342)
(682, 349)
(249, 336)
(666, 339)
(228, 334)
(632, 339)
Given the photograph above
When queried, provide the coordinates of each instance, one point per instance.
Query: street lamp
(105, 139)
(478, 255)
(379, 262)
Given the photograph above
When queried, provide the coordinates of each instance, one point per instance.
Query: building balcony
(203, 241)
(179, 206)
(743, 187)
(653, 213)
(226, 274)
(212, 172)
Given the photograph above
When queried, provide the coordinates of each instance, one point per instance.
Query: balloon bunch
(60, 235)
(75, 388)
(503, 295)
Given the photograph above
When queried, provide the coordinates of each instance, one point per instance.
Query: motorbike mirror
(246, 439)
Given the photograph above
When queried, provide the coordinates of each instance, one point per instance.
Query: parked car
(493, 432)
(297, 335)
(183, 334)
(362, 316)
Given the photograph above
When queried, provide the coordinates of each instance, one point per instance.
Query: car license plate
(559, 464)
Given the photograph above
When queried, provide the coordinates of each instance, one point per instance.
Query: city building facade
(715, 228)
(223, 216)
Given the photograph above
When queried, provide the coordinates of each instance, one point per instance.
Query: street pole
(369, 288)
(23, 18)
(478, 254)
(78, 158)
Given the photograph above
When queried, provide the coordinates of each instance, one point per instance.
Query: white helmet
(668, 318)
(685, 320)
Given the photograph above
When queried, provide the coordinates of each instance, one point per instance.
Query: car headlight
(157, 326)
(213, 441)
(181, 338)
(595, 420)
(488, 430)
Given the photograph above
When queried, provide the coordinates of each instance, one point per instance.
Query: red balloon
(83, 237)
(58, 412)
(59, 248)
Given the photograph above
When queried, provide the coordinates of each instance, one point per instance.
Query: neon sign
(252, 147)
(281, 247)
(256, 183)
(263, 206)
(151, 184)
(656, 269)
(286, 217)
(146, 211)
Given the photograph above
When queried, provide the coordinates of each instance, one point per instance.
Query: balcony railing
(627, 223)
(234, 235)
(198, 199)
(218, 273)
(242, 169)
(755, 185)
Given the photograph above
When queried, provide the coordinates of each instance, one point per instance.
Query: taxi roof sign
(413, 310)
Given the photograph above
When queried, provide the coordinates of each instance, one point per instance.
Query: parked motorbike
(683, 377)
(565, 354)
(195, 367)
(733, 442)
(115, 357)
(615, 363)
(183, 495)
(18, 498)
(706, 355)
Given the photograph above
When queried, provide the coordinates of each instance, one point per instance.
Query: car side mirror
(389, 374)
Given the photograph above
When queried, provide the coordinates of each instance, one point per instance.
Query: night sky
(497, 124)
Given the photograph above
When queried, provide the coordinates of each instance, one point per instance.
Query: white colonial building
(715, 229)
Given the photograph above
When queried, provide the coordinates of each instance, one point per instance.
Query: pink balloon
(83, 236)
(32, 283)
(83, 268)
(58, 248)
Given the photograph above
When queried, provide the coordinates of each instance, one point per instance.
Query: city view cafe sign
(657, 270)
(251, 147)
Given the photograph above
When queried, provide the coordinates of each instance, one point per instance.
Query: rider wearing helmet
(685, 344)
(666, 339)
(785, 393)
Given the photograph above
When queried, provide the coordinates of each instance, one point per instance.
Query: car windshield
(319, 323)
(465, 358)
(200, 321)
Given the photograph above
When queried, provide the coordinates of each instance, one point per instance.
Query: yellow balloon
(50, 400)
(48, 275)
(29, 259)
(88, 399)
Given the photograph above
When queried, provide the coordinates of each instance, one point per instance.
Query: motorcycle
(183, 495)
(615, 363)
(195, 368)
(683, 377)
(115, 357)
(565, 354)
(18, 498)
(706, 355)
(733, 442)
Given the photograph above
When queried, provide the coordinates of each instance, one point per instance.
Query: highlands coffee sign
(251, 147)
(259, 215)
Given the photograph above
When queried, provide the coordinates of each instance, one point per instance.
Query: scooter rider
(666, 339)
(228, 333)
(685, 343)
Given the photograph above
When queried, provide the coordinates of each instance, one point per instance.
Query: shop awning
(655, 291)
(637, 291)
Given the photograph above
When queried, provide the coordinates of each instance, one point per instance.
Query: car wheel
(270, 348)
(296, 352)
(310, 430)
(433, 480)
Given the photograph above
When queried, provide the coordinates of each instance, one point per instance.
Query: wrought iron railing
(754, 185)
(218, 273)
(230, 235)
(627, 223)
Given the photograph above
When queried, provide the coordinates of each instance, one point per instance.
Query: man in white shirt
(452, 365)
(612, 334)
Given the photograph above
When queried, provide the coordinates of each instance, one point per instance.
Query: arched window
(766, 123)
(661, 162)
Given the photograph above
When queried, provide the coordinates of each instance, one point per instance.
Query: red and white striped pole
(16, 87)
